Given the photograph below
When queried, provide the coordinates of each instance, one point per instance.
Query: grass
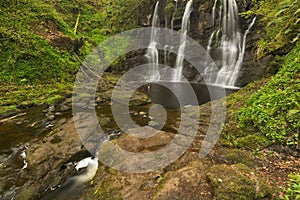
(36, 70)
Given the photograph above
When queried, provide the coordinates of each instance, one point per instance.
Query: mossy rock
(169, 9)
(254, 141)
(28, 193)
(107, 190)
(239, 156)
(237, 182)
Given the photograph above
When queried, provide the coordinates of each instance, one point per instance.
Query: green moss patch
(237, 182)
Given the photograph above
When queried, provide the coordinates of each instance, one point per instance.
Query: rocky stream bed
(55, 147)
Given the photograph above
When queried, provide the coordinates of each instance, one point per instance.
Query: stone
(142, 113)
(58, 114)
(64, 107)
(50, 116)
(236, 183)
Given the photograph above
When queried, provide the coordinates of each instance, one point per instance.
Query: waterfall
(152, 52)
(177, 76)
(226, 40)
(235, 74)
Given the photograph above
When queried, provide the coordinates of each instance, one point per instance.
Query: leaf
(281, 11)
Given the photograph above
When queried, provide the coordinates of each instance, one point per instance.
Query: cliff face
(201, 27)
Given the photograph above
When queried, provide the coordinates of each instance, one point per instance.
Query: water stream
(19, 133)
(228, 41)
(152, 52)
(177, 77)
(14, 135)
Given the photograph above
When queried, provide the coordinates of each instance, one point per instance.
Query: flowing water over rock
(226, 40)
(152, 52)
(180, 55)
(14, 134)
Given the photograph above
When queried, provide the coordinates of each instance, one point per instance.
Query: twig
(10, 118)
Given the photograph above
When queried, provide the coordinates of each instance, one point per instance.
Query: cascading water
(177, 76)
(152, 52)
(230, 44)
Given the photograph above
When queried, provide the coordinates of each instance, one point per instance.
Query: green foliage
(281, 19)
(275, 108)
(293, 190)
(14, 96)
(30, 57)
(25, 55)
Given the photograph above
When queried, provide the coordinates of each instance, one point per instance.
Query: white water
(231, 44)
(177, 76)
(152, 52)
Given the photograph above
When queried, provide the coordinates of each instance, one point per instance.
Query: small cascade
(152, 52)
(177, 76)
(226, 40)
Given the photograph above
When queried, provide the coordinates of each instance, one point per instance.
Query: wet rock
(45, 110)
(51, 108)
(46, 160)
(142, 113)
(105, 121)
(58, 114)
(154, 124)
(64, 107)
(67, 101)
(61, 122)
(56, 139)
(50, 116)
(234, 156)
(19, 122)
(98, 100)
(252, 70)
(185, 183)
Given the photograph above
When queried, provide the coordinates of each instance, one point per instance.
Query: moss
(274, 110)
(281, 25)
(169, 9)
(254, 141)
(38, 44)
(105, 190)
(203, 7)
(56, 139)
(13, 96)
(239, 156)
(26, 194)
(237, 182)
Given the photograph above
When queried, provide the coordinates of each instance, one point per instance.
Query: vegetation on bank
(293, 189)
(268, 111)
(275, 108)
(39, 41)
(281, 22)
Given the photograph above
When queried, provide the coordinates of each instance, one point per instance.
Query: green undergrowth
(13, 97)
(42, 43)
(292, 192)
(275, 109)
(267, 111)
(233, 135)
(281, 22)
